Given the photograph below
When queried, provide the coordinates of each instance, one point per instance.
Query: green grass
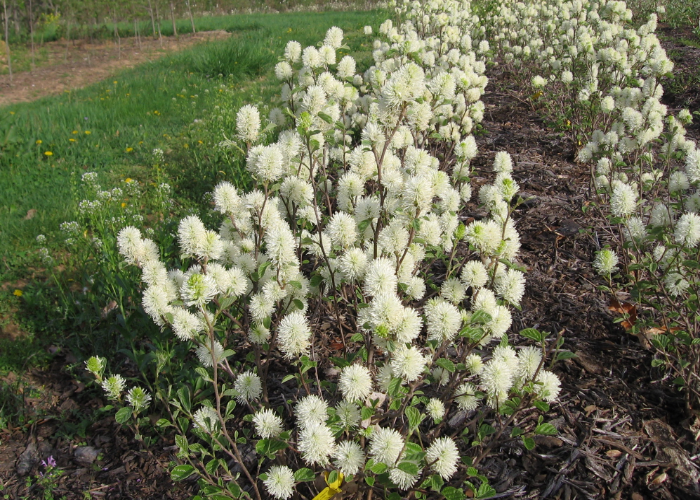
(113, 127)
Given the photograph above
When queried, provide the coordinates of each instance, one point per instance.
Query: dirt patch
(75, 65)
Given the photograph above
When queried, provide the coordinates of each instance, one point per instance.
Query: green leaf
(211, 466)
(304, 475)
(564, 355)
(358, 337)
(164, 422)
(234, 489)
(332, 477)
(657, 362)
(366, 412)
(446, 364)
(414, 417)
(395, 389)
(379, 468)
(181, 472)
(485, 491)
(529, 443)
(369, 480)
(542, 406)
(408, 467)
(517, 431)
(452, 493)
(268, 447)
(546, 430)
(123, 415)
(181, 442)
(480, 317)
(533, 334)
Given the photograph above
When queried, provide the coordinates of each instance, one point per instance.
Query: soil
(73, 65)
(623, 433)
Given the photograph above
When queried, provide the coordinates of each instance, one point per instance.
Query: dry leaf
(613, 453)
(30, 214)
(626, 309)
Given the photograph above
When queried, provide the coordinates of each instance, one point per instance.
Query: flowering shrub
(355, 220)
(645, 172)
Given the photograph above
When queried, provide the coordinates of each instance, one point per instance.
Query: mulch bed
(623, 433)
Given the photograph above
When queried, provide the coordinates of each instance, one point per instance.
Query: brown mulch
(623, 433)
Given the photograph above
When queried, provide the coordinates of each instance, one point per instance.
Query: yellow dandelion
(140, 142)
(129, 150)
(128, 180)
(71, 139)
(12, 112)
(39, 141)
(87, 132)
(48, 153)
(17, 292)
(114, 81)
(201, 142)
(74, 132)
(123, 205)
(186, 145)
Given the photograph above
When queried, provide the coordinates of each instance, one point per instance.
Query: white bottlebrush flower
(355, 382)
(155, 303)
(349, 457)
(676, 284)
(292, 51)
(130, 244)
(368, 30)
(342, 229)
(485, 236)
(248, 387)
(114, 386)
(311, 409)
(191, 233)
(474, 364)
(353, 263)
(502, 163)
(138, 399)
(226, 199)
(607, 104)
(267, 423)
(511, 286)
(186, 326)
(348, 413)
(206, 419)
(623, 200)
(435, 409)
(547, 386)
(280, 481)
(266, 162)
(204, 353)
(465, 397)
(334, 37)
(605, 262)
(385, 445)
(443, 320)
(402, 479)
(687, 231)
(198, 289)
(316, 443)
(408, 363)
(529, 359)
(474, 274)
(538, 81)
(453, 291)
(443, 455)
(294, 335)
(346, 67)
(248, 123)
(678, 182)
(258, 334)
(497, 379)
(380, 277)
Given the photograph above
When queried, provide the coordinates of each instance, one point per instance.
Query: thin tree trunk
(65, 55)
(172, 18)
(7, 39)
(153, 22)
(160, 33)
(31, 30)
(138, 35)
(116, 35)
(189, 11)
